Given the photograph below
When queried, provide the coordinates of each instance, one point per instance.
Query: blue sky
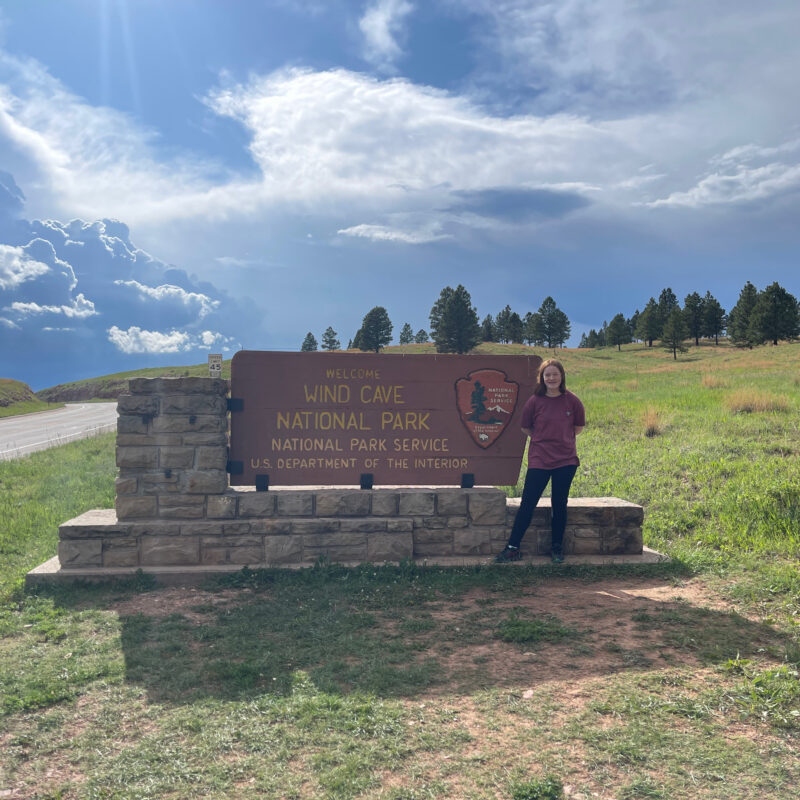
(179, 177)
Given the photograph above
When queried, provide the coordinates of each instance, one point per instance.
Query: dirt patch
(603, 627)
(615, 625)
(183, 600)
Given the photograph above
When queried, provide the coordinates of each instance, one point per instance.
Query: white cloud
(383, 233)
(323, 137)
(135, 340)
(157, 307)
(97, 160)
(208, 339)
(742, 174)
(79, 309)
(381, 25)
(612, 57)
(599, 88)
(201, 303)
(752, 152)
(232, 261)
(16, 267)
(743, 186)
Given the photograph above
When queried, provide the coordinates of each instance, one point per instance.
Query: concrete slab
(50, 572)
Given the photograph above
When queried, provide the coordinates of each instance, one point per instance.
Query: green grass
(525, 631)
(31, 407)
(549, 788)
(406, 682)
(39, 492)
(17, 398)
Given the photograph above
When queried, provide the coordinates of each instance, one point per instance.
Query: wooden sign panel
(329, 418)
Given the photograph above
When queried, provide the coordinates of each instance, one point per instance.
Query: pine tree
(534, 333)
(739, 329)
(556, 327)
(675, 332)
(775, 316)
(501, 322)
(648, 327)
(488, 331)
(515, 329)
(406, 334)
(561, 329)
(376, 330)
(309, 343)
(666, 302)
(618, 332)
(421, 336)
(694, 313)
(435, 316)
(714, 319)
(330, 340)
(633, 323)
(458, 330)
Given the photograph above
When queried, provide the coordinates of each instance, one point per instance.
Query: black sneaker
(557, 558)
(508, 554)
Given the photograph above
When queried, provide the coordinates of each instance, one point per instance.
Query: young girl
(552, 417)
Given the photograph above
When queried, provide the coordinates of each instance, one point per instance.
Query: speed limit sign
(215, 365)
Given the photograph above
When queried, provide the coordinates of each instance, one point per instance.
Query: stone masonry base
(294, 528)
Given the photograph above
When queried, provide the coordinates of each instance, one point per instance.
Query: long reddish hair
(541, 389)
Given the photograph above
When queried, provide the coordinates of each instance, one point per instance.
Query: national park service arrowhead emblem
(486, 401)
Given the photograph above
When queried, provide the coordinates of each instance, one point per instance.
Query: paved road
(24, 434)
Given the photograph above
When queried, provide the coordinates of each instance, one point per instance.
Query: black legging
(535, 482)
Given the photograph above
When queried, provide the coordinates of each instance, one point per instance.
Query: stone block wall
(295, 527)
(172, 447)
(174, 507)
(595, 526)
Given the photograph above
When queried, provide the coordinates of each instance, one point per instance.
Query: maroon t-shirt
(553, 420)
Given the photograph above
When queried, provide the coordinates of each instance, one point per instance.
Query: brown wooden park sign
(339, 419)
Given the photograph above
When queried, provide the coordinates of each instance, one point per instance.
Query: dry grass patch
(748, 401)
(652, 423)
(711, 381)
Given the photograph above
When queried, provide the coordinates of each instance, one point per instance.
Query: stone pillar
(172, 447)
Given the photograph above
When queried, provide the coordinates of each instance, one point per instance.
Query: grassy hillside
(109, 387)
(18, 398)
(675, 681)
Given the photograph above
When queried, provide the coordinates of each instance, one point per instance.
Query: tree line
(454, 327)
(770, 315)
(758, 317)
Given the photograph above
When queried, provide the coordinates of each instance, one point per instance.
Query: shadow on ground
(411, 632)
